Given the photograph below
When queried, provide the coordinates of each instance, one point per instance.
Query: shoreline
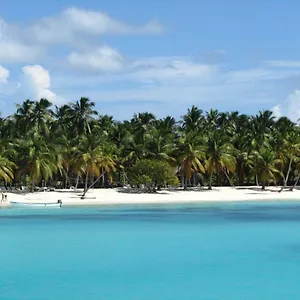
(176, 196)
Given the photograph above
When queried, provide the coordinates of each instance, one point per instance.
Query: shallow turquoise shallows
(227, 251)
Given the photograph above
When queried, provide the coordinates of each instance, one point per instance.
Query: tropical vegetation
(74, 145)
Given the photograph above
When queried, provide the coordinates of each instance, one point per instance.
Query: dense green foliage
(152, 174)
(71, 145)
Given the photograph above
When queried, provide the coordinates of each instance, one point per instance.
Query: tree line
(74, 145)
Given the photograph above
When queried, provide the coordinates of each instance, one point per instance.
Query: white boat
(37, 204)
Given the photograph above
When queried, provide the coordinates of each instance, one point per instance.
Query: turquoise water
(218, 251)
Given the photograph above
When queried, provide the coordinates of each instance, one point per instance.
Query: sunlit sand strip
(128, 196)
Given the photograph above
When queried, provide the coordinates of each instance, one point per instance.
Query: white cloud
(100, 23)
(4, 74)
(170, 71)
(72, 27)
(12, 49)
(290, 107)
(283, 63)
(17, 52)
(102, 59)
(176, 69)
(259, 74)
(74, 24)
(35, 83)
(157, 69)
(7, 87)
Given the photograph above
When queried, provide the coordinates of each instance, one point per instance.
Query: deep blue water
(216, 251)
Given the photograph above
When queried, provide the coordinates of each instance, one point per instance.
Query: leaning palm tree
(87, 157)
(264, 165)
(90, 158)
(291, 151)
(297, 171)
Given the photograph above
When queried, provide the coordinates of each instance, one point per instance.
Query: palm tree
(91, 158)
(193, 120)
(82, 113)
(108, 161)
(141, 124)
(262, 127)
(166, 126)
(42, 114)
(297, 171)
(160, 146)
(190, 155)
(24, 116)
(264, 164)
(212, 121)
(6, 169)
(37, 159)
(134, 150)
(220, 158)
(240, 136)
(291, 149)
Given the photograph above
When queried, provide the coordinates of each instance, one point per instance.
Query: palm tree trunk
(124, 177)
(86, 180)
(103, 178)
(297, 180)
(66, 181)
(182, 180)
(210, 181)
(256, 180)
(230, 182)
(185, 183)
(85, 191)
(77, 180)
(32, 185)
(287, 175)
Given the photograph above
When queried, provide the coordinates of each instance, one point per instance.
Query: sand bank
(128, 196)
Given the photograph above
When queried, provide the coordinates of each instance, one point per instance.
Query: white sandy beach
(115, 197)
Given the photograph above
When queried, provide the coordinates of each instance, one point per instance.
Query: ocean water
(213, 251)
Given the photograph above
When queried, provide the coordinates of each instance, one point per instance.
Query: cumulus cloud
(4, 74)
(290, 107)
(35, 83)
(102, 59)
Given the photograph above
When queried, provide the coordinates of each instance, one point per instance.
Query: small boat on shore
(37, 204)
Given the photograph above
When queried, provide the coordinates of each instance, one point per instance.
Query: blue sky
(152, 55)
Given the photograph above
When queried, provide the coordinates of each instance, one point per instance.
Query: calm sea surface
(216, 251)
